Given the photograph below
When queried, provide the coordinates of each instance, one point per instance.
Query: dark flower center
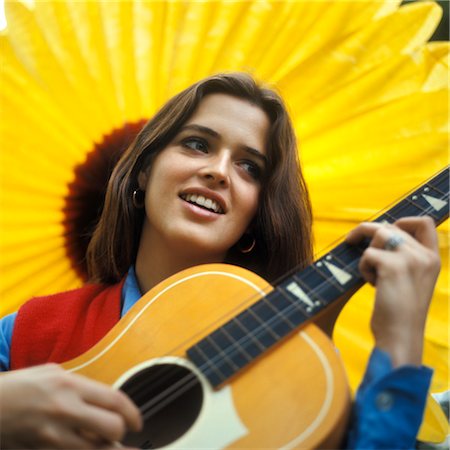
(86, 193)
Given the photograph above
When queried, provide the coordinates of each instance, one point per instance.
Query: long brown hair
(282, 226)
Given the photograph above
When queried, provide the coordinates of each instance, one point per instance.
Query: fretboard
(304, 294)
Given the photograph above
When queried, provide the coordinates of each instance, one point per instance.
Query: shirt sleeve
(389, 405)
(6, 331)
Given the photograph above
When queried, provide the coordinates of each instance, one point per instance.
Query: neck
(158, 259)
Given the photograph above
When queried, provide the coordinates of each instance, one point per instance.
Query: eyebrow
(215, 134)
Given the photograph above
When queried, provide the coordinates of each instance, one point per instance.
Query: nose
(217, 169)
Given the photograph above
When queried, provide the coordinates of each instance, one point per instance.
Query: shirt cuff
(389, 404)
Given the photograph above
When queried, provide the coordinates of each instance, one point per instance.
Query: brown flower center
(84, 202)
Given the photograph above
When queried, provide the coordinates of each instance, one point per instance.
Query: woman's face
(202, 190)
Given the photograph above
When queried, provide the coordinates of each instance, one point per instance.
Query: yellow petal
(368, 97)
(435, 425)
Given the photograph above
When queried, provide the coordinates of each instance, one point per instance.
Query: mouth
(203, 202)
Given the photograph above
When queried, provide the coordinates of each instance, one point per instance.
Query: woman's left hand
(402, 262)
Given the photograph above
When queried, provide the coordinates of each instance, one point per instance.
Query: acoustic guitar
(216, 358)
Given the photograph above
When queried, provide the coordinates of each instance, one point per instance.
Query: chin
(207, 250)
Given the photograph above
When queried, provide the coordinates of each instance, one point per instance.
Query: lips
(208, 201)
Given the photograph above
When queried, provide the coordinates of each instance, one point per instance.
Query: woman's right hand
(47, 407)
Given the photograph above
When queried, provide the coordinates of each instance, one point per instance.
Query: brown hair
(282, 226)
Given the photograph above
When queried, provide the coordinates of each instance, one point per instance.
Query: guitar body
(294, 396)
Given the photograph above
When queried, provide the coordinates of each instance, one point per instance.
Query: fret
(227, 358)
(254, 331)
(232, 349)
(429, 187)
(313, 283)
(336, 281)
(252, 347)
(236, 342)
(296, 312)
(390, 217)
(339, 260)
(239, 320)
(421, 210)
(297, 294)
(262, 313)
(347, 257)
(436, 203)
(281, 315)
(252, 322)
(386, 218)
(440, 182)
(219, 361)
(304, 280)
(327, 290)
(209, 369)
(209, 350)
(407, 208)
(430, 199)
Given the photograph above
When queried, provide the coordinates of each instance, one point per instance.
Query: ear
(142, 179)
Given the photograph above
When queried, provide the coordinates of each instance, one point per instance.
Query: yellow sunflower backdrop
(367, 93)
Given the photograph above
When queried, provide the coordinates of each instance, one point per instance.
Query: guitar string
(318, 286)
(234, 347)
(151, 407)
(246, 339)
(173, 392)
(164, 398)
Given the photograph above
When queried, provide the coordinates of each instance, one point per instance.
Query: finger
(423, 229)
(96, 440)
(106, 445)
(58, 437)
(101, 425)
(377, 263)
(73, 440)
(362, 231)
(379, 234)
(103, 396)
(384, 236)
(369, 263)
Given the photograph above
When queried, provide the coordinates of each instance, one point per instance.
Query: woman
(213, 177)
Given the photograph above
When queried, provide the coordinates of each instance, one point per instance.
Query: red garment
(60, 327)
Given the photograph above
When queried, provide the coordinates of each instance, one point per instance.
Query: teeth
(202, 201)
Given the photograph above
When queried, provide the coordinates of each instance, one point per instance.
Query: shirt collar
(130, 291)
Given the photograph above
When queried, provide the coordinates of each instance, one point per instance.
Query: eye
(196, 143)
(252, 169)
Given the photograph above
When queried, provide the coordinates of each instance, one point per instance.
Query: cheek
(162, 177)
(250, 205)
(155, 195)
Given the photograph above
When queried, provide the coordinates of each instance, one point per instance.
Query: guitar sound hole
(170, 399)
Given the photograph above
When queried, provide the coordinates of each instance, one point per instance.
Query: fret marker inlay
(341, 275)
(295, 289)
(436, 203)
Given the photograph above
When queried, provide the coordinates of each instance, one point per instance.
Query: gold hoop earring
(247, 247)
(138, 198)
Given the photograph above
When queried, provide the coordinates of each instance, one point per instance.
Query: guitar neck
(304, 294)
